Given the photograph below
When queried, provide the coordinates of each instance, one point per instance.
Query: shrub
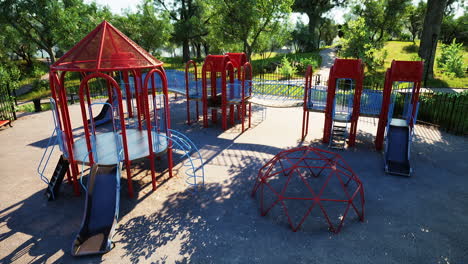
(286, 69)
(37, 71)
(411, 48)
(451, 59)
(304, 62)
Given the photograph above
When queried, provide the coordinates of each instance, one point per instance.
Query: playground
(162, 174)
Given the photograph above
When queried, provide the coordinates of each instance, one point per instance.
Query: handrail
(54, 139)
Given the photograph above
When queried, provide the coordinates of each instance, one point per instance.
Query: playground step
(338, 132)
(337, 145)
(57, 178)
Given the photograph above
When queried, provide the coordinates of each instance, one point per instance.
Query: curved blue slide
(101, 211)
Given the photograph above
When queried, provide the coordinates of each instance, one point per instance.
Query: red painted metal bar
(67, 130)
(137, 97)
(187, 87)
(59, 120)
(329, 106)
(356, 107)
(128, 91)
(145, 102)
(383, 117)
(205, 93)
(214, 96)
(162, 74)
(122, 123)
(305, 113)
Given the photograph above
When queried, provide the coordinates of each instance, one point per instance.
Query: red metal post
(329, 107)
(128, 91)
(383, 117)
(305, 109)
(148, 124)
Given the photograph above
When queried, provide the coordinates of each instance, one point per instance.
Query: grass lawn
(405, 50)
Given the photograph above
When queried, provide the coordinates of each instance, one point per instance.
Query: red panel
(237, 59)
(346, 68)
(218, 62)
(105, 49)
(406, 71)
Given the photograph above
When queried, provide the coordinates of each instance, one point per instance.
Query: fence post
(10, 101)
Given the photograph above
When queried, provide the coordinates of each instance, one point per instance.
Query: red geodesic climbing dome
(105, 49)
(307, 178)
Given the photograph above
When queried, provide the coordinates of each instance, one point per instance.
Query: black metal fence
(7, 104)
(449, 111)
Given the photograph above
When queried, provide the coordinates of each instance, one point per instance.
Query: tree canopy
(250, 23)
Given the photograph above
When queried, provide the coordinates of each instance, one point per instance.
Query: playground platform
(418, 219)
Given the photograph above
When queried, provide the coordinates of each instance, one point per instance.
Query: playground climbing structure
(398, 132)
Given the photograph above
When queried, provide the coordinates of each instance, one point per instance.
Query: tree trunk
(185, 50)
(51, 55)
(198, 50)
(206, 47)
(247, 50)
(430, 34)
(313, 22)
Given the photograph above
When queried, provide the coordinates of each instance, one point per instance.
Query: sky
(117, 6)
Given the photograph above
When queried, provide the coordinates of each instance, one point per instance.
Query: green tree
(415, 19)
(46, 23)
(382, 17)
(327, 31)
(452, 28)
(148, 27)
(13, 42)
(436, 9)
(314, 9)
(189, 20)
(300, 37)
(358, 42)
(249, 22)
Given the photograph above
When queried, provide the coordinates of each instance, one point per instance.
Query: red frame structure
(399, 71)
(191, 64)
(344, 69)
(305, 108)
(309, 164)
(104, 51)
(222, 66)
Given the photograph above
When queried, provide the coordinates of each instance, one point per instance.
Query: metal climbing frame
(322, 173)
(221, 89)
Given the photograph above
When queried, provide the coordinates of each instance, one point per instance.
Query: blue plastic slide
(397, 148)
(101, 211)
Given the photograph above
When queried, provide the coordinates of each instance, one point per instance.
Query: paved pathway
(328, 58)
(421, 219)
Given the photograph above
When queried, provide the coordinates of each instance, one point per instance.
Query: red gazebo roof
(105, 49)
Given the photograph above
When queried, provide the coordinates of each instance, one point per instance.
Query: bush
(40, 89)
(301, 66)
(286, 69)
(37, 71)
(411, 48)
(451, 59)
